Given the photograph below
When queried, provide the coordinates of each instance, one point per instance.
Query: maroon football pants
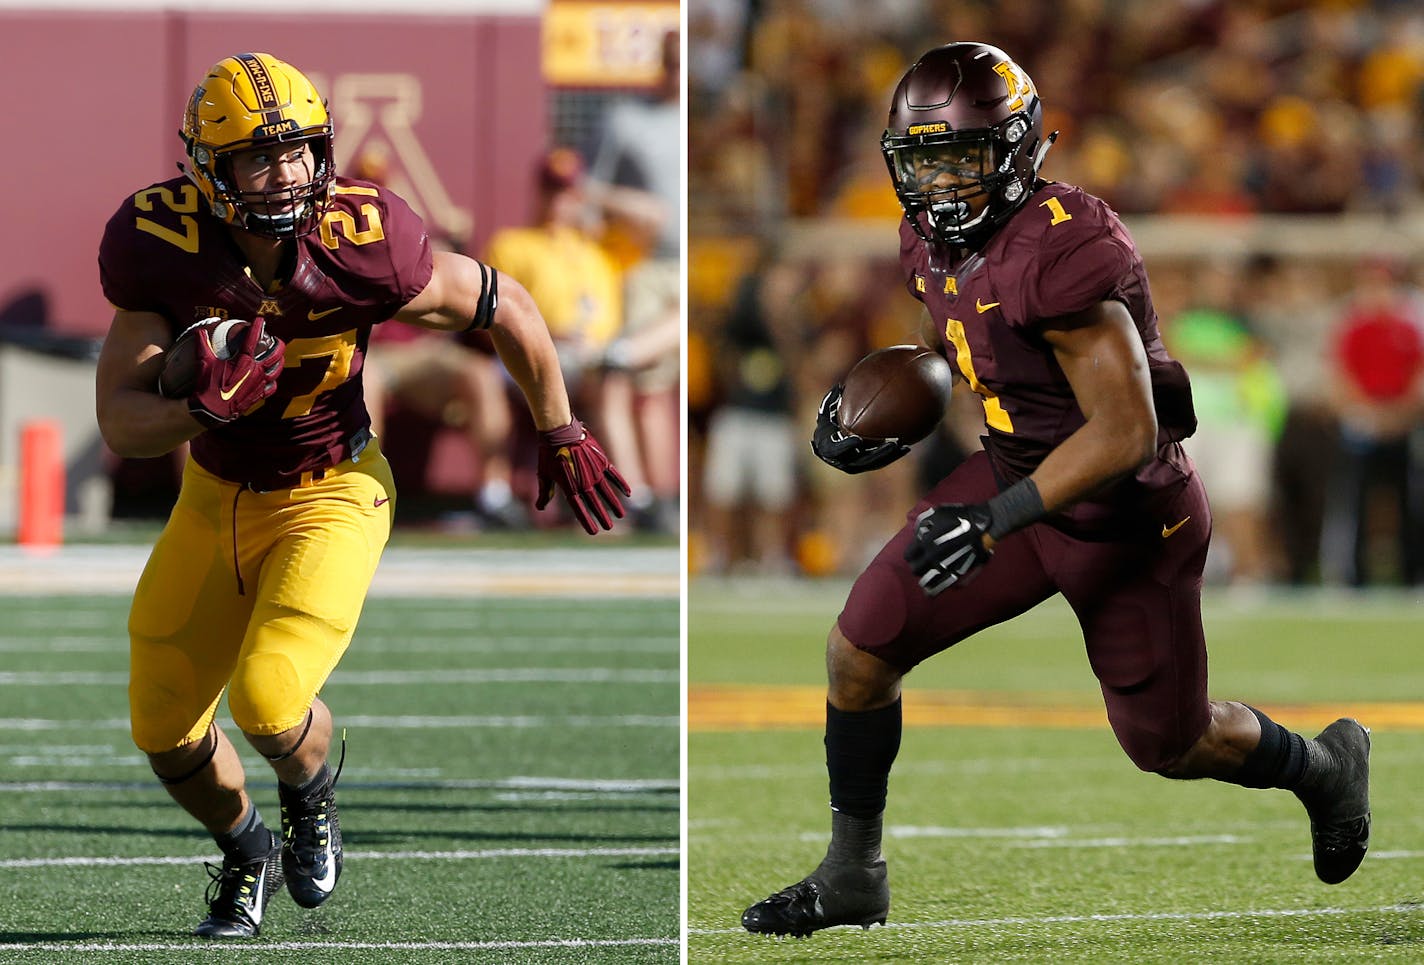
(1137, 599)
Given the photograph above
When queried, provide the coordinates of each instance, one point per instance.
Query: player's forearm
(1091, 458)
(525, 347)
(139, 425)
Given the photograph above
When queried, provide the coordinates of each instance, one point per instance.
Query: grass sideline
(510, 792)
(1011, 843)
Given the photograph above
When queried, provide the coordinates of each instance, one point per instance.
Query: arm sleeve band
(1015, 508)
(489, 299)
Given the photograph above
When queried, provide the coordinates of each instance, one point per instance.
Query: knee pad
(875, 612)
(266, 695)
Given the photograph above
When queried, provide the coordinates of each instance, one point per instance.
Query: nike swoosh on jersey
(314, 315)
(228, 394)
(1169, 530)
(981, 308)
(382, 500)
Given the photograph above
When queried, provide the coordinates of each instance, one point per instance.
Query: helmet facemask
(990, 172)
(261, 212)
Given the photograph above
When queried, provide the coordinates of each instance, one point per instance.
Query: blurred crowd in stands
(1307, 367)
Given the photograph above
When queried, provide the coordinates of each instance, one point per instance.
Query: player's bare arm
(570, 459)
(135, 421)
(521, 337)
(1101, 353)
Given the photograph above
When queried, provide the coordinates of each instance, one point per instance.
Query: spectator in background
(579, 291)
(753, 439)
(1379, 359)
(452, 380)
(636, 185)
(1240, 406)
(1288, 305)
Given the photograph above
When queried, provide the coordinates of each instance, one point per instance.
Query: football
(180, 363)
(897, 393)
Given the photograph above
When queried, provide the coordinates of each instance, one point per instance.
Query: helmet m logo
(1017, 82)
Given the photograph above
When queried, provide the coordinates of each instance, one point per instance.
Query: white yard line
(515, 783)
(523, 675)
(969, 923)
(244, 949)
(373, 641)
(110, 861)
(587, 572)
(396, 722)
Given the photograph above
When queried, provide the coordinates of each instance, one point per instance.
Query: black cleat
(238, 895)
(830, 895)
(311, 842)
(1340, 809)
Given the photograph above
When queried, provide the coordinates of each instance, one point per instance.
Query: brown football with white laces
(180, 363)
(897, 393)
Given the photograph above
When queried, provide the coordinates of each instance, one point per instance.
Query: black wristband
(1015, 508)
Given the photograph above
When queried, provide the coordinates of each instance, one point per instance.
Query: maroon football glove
(225, 389)
(571, 459)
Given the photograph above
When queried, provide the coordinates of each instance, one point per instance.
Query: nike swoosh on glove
(948, 545)
(572, 461)
(226, 389)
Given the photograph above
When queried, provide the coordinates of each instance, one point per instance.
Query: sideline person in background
(1378, 395)
(635, 183)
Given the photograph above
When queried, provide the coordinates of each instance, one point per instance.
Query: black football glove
(948, 545)
(847, 451)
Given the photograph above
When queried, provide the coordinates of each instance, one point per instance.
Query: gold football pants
(256, 592)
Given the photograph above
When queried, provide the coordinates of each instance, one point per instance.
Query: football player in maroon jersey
(1035, 291)
(257, 581)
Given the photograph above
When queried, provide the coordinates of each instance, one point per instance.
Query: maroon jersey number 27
(368, 257)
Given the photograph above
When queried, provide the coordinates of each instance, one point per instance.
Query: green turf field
(1044, 844)
(510, 792)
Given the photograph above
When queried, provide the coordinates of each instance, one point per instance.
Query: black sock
(860, 748)
(323, 775)
(248, 841)
(1279, 760)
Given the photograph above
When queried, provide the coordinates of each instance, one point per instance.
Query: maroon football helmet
(964, 142)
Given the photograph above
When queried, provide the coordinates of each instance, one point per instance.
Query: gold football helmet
(252, 100)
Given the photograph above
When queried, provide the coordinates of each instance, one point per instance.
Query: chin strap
(1043, 152)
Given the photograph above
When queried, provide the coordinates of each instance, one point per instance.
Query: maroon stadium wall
(455, 108)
